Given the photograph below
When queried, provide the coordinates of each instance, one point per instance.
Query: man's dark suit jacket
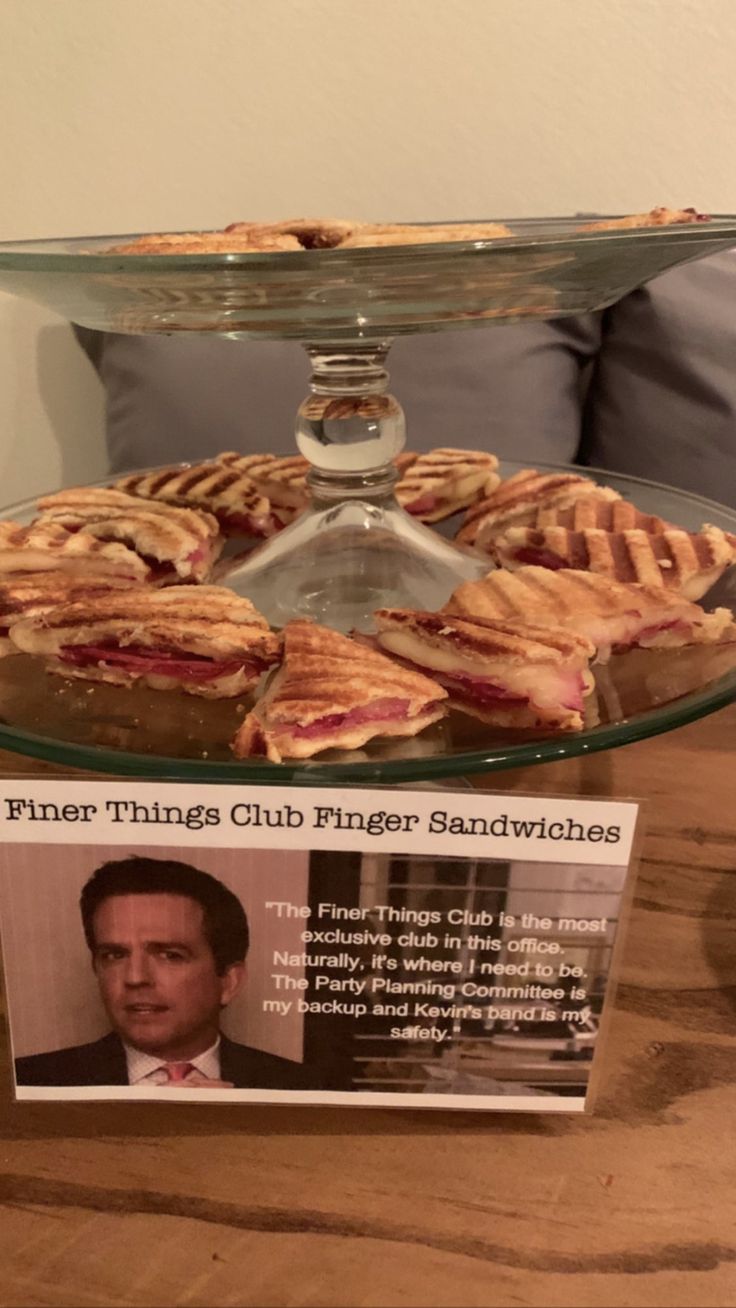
(103, 1063)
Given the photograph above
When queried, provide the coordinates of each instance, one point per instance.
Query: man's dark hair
(225, 923)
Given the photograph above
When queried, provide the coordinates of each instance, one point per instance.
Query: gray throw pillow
(662, 398)
(512, 390)
(646, 388)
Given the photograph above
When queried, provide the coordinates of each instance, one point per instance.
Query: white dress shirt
(144, 1069)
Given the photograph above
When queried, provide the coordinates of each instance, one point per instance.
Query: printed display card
(392, 947)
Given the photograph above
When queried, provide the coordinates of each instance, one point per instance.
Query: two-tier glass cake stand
(354, 549)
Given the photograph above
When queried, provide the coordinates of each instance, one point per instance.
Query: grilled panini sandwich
(509, 674)
(519, 498)
(305, 234)
(404, 461)
(232, 241)
(309, 233)
(613, 615)
(591, 511)
(25, 595)
(444, 481)
(200, 639)
(47, 546)
(660, 217)
(227, 493)
(422, 233)
(683, 562)
(333, 693)
(176, 544)
(283, 481)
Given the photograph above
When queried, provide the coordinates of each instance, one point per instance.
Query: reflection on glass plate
(545, 270)
(140, 732)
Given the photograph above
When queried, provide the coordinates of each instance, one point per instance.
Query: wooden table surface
(130, 1204)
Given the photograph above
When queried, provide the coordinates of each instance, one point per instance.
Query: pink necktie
(178, 1071)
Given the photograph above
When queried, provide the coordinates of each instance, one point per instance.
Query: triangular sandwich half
(47, 546)
(200, 639)
(518, 499)
(659, 217)
(282, 481)
(232, 497)
(592, 511)
(423, 233)
(176, 544)
(442, 482)
(27, 594)
(331, 692)
(508, 674)
(613, 615)
(686, 563)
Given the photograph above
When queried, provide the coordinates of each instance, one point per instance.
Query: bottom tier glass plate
(143, 733)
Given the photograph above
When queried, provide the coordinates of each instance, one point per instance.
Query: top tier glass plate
(547, 269)
(145, 733)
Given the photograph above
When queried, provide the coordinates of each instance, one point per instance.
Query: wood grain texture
(133, 1204)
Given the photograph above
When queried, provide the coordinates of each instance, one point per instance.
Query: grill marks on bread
(610, 613)
(29, 594)
(327, 685)
(511, 674)
(283, 481)
(519, 498)
(683, 562)
(206, 620)
(607, 515)
(186, 539)
(538, 594)
(225, 242)
(199, 639)
(225, 492)
(445, 480)
(484, 638)
(46, 545)
(328, 673)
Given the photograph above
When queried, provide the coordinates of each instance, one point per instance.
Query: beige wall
(139, 114)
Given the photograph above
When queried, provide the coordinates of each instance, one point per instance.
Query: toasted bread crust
(46, 545)
(282, 481)
(487, 639)
(537, 594)
(325, 673)
(324, 676)
(29, 594)
(186, 538)
(506, 674)
(610, 613)
(452, 478)
(518, 499)
(683, 562)
(420, 234)
(225, 242)
(206, 620)
(278, 742)
(310, 233)
(306, 234)
(592, 511)
(660, 217)
(221, 491)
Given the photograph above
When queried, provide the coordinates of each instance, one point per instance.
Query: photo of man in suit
(168, 944)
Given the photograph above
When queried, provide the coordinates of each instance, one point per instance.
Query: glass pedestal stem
(353, 549)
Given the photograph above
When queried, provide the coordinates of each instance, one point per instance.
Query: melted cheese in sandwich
(545, 685)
